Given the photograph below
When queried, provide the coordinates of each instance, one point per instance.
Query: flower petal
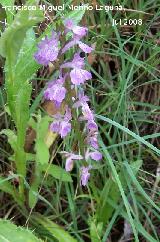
(55, 127)
(85, 48)
(96, 155)
(65, 128)
(79, 76)
(80, 31)
(85, 175)
(69, 164)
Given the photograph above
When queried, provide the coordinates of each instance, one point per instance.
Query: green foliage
(55, 230)
(6, 186)
(9, 232)
(26, 66)
(76, 15)
(42, 152)
(41, 157)
(9, 14)
(12, 138)
(111, 190)
(56, 172)
(95, 231)
(17, 86)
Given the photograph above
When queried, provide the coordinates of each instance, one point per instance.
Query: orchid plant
(68, 89)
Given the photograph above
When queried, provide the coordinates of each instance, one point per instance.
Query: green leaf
(22, 109)
(33, 192)
(9, 14)
(12, 138)
(54, 229)
(95, 231)
(9, 232)
(26, 65)
(42, 155)
(21, 117)
(6, 186)
(42, 151)
(57, 172)
(76, 15)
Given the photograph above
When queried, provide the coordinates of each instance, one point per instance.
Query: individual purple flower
(89, 117)
(56, 91)
(65, 128)
(77, 30)
(92, 126)
(87, 113)
(47, 50)
(61, 124)
(94, 155)
(82, 46)
(77, 62)
(70, 160)
(85, 175)
(78, 75)
(82, 100)
(92, 139)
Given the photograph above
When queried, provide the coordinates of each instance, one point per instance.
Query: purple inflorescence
(68, 89)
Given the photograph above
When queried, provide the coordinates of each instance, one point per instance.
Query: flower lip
(85, 175)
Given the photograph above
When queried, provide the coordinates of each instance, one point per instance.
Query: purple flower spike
(85, 175)
(47, 50)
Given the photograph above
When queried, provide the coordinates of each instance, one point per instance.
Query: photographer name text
(62, 7)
